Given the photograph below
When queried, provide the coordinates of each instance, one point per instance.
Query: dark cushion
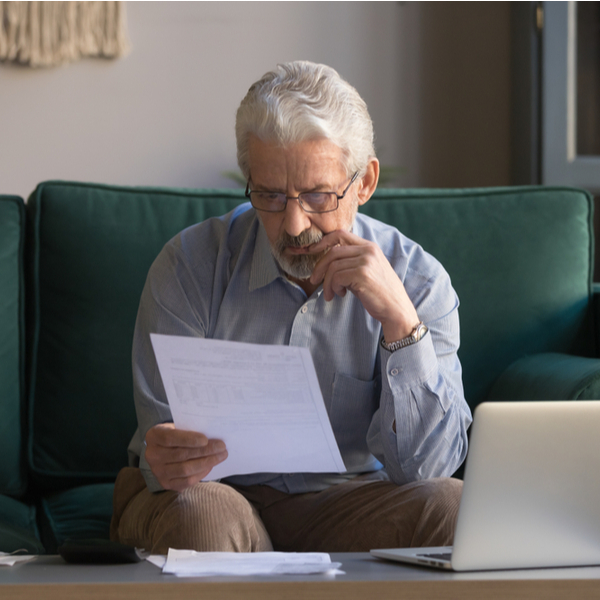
(18, 529)
(521, 261)
(596, 309)
(79, 513)
(12, 232)
(92, 248)
(549, 377)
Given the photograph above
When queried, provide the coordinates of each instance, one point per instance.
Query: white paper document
(9, 559)
(187, 563)
(263, 401)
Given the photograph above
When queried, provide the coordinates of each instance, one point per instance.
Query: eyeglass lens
(311, 201)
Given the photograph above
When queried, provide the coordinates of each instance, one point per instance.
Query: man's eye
(268, 196)
(315, 198)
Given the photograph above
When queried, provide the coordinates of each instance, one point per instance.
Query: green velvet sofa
(73, 261)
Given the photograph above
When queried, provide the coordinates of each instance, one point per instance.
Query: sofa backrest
(92, 247)
(520, 260)
(12, 343)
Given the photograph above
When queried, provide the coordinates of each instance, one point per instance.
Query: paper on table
(187, 563)
(158, 560)
(9, 560)
(263, 401)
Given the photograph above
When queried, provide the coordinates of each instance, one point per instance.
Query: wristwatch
(416, 334)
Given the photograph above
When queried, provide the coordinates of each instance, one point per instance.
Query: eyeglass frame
(248, 193)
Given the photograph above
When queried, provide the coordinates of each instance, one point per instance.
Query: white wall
(164, 115)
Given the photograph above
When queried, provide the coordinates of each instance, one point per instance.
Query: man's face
(309, 166)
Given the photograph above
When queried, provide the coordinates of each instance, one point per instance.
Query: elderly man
(299, 266)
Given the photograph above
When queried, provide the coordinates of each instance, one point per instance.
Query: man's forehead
(310, 160)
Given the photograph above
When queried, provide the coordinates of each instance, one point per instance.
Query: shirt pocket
(353, 404)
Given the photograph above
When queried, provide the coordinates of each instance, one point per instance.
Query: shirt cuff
(149, 477)
(410, 365)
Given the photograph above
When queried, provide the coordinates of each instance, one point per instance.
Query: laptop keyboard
(443, 556)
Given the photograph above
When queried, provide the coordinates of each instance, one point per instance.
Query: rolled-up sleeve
(420, 428)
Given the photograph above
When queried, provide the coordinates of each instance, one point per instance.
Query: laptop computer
(531, 493)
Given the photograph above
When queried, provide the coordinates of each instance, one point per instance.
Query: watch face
(420, 331)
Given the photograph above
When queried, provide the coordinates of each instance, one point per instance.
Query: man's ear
(368, 182)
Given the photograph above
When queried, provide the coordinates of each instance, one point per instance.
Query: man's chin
(296, 272)
(299, 266)
(294, 257)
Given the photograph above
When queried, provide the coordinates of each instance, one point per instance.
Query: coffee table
(365, 578)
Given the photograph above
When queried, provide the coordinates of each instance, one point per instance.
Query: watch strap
(416, 335)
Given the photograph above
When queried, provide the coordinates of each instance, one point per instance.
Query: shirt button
(304, 309)
(394, 372)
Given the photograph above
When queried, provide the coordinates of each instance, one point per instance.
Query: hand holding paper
(263, 402)
(179, 458)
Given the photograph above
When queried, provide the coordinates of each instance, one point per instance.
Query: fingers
(349, 264)
(167, 435)
(340, 237)
(182, 475)
(180, 458)
(340, 244)
(342, 274)
(176, 454)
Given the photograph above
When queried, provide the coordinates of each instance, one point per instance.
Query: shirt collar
(264, 266)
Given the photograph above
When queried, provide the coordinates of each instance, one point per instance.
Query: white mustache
(306, 238)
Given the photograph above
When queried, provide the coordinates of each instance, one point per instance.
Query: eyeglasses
(311, 202)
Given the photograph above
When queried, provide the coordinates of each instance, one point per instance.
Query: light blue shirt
(218, 279)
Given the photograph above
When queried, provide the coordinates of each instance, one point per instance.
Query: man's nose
(296, 219)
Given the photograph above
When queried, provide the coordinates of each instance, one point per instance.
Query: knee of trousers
(439, 500)
(442, 495)
(209, 516)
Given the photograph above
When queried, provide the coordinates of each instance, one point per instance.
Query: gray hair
(299, 101)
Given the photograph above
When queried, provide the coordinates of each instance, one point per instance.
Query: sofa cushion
(92, 248)
(18, 529)
(79, 513)
(549, 376)
(521, 261)
(12, 343)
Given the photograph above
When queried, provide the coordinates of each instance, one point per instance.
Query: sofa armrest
(549, 376)
(596, 317)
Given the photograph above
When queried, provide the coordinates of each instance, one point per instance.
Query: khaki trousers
(366, 512)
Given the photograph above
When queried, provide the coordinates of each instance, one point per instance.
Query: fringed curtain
(45, 34)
